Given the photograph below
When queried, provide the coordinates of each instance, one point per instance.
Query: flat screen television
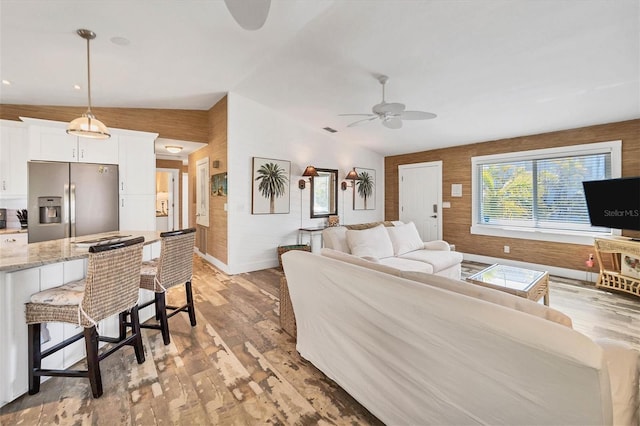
(614, 203)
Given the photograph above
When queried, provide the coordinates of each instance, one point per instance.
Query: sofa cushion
(405, 238)
(490, 295)
(355, 260)
(406, 264)
(335, 237)
(370, 242)
(438, 259)
(623, 364)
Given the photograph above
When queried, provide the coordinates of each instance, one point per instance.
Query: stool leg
(135, 330)
(192, 309)
(35, 358)
(161, 307)
(93, 362)
(122, 326)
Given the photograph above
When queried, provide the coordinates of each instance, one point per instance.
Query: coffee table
(522, 282)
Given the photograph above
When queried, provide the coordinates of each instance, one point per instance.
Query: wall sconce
(352, 176)
(308, 172)
(215, 164)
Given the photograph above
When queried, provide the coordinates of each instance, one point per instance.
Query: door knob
(434, 216)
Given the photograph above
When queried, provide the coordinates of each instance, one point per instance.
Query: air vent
(329, 129)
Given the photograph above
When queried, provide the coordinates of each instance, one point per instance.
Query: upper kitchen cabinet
(49, 141)
(137, 164)
(13, 159)
(137, 173)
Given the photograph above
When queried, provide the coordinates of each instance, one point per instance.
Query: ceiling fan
(391, 113)
(249, 14)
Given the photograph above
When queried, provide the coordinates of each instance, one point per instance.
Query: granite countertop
(23, 256)
(13, 231)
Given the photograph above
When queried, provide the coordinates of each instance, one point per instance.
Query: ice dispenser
(50, 209)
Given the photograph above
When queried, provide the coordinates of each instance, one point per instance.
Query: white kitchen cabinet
(137, 160)
(17, 288)
(137, 212)
(49, 141)
(137, 173)
(13, 159)
(101, 151)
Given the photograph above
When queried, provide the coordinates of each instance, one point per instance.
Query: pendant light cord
(88, 75)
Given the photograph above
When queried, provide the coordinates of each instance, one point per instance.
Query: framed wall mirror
(324, 193)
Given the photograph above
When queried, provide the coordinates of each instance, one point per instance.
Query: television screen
(614, 203)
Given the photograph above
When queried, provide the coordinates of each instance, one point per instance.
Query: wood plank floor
(236, 367)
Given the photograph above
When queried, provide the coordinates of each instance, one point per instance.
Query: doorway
(420, 197)
(167, 193)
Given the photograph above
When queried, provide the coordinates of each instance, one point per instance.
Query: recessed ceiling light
(6, 82)
(329, 129)
(76, 86)
(120, 41)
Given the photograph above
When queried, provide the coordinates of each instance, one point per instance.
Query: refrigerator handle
(65, 207)
(72, 208)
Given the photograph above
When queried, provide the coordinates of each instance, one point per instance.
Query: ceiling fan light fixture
(249, 14)
(174, 149)
(88, 126)
(391, 114)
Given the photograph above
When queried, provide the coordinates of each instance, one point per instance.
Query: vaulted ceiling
(489, 69)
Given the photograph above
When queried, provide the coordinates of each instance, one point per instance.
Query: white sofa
(397, 245)
(424, 349)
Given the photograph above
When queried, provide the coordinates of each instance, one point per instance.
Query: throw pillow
(405, 238)
(373, 242)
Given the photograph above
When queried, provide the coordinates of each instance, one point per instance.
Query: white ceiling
(489, 69)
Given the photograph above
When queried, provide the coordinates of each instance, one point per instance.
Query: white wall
(257, 131)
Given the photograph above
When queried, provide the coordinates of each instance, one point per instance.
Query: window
(538, 194)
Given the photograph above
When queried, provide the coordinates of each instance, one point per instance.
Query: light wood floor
(236, 367)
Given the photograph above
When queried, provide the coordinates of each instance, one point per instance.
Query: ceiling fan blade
(356, 123)
(249, 14)
(364, 115)
(383, 108)
(392, 123)
(416, 115)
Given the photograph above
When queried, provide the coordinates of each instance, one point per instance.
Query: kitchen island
(23, 256)
(26, 269)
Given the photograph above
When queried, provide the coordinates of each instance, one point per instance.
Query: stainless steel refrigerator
(71, 199)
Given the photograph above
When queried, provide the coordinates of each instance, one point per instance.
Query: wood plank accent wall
(174, 164)
(457, 169)
(181, 124)
(216, 243)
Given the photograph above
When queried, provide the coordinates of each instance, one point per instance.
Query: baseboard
(212, 260)
(247, 267)
(553, 270)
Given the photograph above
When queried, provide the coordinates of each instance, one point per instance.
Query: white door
(202, 192)
(171, 198)
(420, 197)
(185, 200)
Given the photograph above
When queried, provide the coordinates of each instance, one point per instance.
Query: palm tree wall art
(270, 186)
(364, 195)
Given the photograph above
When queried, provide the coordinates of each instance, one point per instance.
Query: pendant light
(88, 126)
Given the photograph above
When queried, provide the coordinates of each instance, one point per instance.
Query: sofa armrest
(623, 363)
(437, 245)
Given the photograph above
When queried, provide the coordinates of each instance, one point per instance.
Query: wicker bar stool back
(173, 267)
(110, 287)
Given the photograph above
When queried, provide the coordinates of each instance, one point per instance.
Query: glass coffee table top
(508, 277)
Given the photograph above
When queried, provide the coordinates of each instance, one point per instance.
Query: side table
(621, 251)
(311, 231)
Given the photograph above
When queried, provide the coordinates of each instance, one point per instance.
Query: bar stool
(173, 267)
(111, 287)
